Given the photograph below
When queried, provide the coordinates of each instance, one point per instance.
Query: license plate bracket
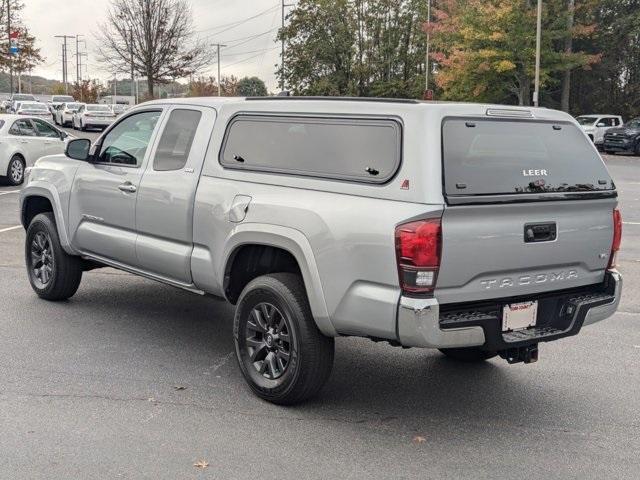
(518, 316)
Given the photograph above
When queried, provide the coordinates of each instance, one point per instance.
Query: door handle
(127, 187)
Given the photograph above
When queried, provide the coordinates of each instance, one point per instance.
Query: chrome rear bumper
(419, 321)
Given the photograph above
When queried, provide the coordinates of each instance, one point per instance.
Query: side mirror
(78, 149)
(63, 135)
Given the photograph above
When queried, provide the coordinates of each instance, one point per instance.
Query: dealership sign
(13, 43)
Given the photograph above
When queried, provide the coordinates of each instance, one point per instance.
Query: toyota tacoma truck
(478, 230)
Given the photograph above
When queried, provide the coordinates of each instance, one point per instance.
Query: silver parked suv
(478, 230)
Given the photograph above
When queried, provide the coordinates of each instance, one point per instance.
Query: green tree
(355, 47)
(251, 87)
(613, 84)
(485, 50)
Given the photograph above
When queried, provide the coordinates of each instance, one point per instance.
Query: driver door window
(126, 144)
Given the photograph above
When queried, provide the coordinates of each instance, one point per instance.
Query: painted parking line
(10, 191)
(10, 228)
(631, 223)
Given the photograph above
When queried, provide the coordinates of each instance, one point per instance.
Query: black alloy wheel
(268, 341)
(42, 259)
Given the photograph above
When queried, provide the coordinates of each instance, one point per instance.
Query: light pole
(536, 89)
(218, 46)
(426, 57)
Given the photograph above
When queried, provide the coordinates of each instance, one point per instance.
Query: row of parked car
(610, 134)
(64, 110)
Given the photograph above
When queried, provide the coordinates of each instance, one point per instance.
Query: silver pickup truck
(478, 230)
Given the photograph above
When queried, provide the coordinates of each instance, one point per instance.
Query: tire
(273, 320)
(469, 354)
(61, 279)
(637, 149)
(15, 171)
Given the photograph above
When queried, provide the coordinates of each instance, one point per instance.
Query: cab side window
(23, 128)
(176, 140)
(45, 130)
(126, 144)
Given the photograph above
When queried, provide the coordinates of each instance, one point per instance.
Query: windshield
(62, 98)
(586, 120)
(33, 106)
(492, 157)
(23, 97)
(73, 106)
(635, 123)
(98, 108)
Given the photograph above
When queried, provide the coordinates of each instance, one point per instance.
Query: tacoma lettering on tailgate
(529, 279)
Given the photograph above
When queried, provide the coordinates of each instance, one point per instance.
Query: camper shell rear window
(484, 156)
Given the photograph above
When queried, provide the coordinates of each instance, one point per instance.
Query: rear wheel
(469, 354)
(283, 356)
(53, 274)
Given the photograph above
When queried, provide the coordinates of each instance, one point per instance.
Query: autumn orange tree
(485, 50)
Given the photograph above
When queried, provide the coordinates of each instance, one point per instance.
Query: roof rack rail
(344, 99)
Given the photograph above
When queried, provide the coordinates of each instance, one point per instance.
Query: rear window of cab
(354, 149)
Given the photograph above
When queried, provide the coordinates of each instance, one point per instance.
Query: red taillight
(418, 246)
(617, 238)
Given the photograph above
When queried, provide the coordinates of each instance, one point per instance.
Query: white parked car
(56, 100)
(17, 98)
(34, 109)
(23, 140)
(63, 114)
(93, 115)
(595, 126)
(119, 108)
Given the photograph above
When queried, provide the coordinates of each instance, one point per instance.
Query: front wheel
(15, 171)
(53, 274)
(283, 356)
(469, 354)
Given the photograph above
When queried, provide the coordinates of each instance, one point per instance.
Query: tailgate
(488, 251)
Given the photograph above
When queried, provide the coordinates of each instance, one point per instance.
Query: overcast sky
(217, 21)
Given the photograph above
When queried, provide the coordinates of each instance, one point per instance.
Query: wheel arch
(256, 238)
(35, 199)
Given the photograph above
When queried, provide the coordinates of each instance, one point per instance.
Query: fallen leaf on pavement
(201, 464)
(180, 387)
(419, 439)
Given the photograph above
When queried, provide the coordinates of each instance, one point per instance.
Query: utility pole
(64, 60)
(78, 59)
(218, 46)
(9, 45)
(284, 5)
(536, 89)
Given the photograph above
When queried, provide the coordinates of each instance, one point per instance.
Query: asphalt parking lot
(133, 379)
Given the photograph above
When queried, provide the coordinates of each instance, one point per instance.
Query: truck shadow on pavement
(373, 382)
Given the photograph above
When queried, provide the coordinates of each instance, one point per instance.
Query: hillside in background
(38, 85)
(44, 86)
